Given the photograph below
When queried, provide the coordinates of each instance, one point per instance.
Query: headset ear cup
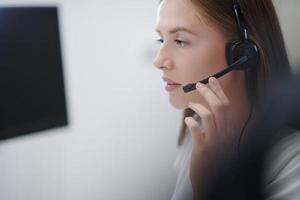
(251, 51)
(236, 50)
(229, 51)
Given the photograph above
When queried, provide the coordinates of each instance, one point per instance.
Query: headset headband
(240, 21)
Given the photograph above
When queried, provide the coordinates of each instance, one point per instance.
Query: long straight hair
(264, 29)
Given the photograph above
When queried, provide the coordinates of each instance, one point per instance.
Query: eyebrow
(177, 29)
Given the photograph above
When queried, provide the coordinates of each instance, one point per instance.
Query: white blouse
(183, 189)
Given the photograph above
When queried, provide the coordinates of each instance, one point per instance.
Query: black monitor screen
(31, 76)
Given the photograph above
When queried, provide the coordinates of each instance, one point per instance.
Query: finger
(196, 132)
(217, 89)
(214, 103)
(206, 116)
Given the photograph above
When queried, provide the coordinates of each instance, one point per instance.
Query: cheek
(202, 62)
(180, 100)
(197, 65)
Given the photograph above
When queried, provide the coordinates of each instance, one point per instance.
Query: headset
(240, 55)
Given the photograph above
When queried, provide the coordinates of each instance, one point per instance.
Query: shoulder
(282, 168)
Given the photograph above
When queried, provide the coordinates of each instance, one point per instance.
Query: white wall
(289, 17)
(121, 141)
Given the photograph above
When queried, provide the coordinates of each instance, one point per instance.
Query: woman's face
(190, 50)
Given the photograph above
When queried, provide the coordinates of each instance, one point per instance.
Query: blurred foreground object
(269, 163)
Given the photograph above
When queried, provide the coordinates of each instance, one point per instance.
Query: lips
(170, 82)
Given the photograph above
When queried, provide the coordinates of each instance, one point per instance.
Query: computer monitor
(31, 77)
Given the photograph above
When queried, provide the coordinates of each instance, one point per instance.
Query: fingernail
(212, 80)
(199, 85)
(186, 119)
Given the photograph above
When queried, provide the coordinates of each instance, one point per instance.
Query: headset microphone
(234, 66)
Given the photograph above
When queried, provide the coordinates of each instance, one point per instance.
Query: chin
(177, 104)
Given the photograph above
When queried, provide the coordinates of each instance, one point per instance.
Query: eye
(181, 43)
(160, 41)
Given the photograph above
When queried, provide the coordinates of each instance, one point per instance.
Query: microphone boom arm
(192, 86)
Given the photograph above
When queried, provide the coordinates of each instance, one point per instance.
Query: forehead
(173, 13)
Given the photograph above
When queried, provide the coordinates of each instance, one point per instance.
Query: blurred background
(121, 135)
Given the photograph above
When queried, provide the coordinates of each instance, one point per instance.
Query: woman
(193, 36)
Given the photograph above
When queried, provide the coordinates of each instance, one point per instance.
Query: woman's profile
(195, 37)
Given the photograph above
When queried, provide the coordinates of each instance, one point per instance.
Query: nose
(162, 59)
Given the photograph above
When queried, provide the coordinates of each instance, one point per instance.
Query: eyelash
(160, 40)
(179, 42)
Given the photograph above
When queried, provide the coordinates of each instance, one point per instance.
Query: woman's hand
(214, 142)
